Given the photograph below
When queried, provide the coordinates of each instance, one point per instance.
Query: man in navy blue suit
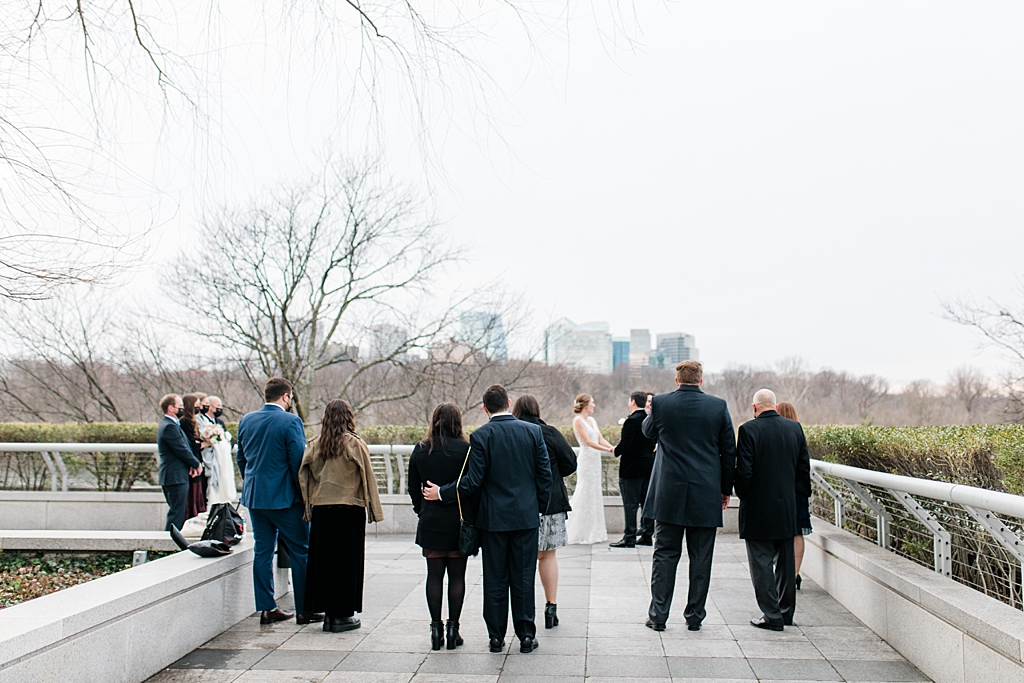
(177, 462)
(508, 465)
(271, 442)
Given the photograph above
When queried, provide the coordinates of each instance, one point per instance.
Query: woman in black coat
(551, 535)
(196, 500)
(439, 459)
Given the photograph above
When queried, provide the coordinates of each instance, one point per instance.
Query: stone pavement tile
(366, 677)
(282, 676)
(219, 659)
(318, 640)
(512, 678)
(845, 633)
(794, 670)
(707, 632)
(536, 664)
(195, 676)
(701, 648)
(644, 667)
(382, 640)
(565, 629)
(878, 671)
(381, 661)
(248, 640)
(766, 649)
(878, 650)
(300, 660)
(561, 646)
(445, 662)
(623, 679)
(629, 631)
(747, 633)
(824, 618)
(709, 668)
(455, 678)
(253, 624)
(648, 645)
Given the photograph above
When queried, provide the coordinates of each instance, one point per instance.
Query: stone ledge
(86, 541)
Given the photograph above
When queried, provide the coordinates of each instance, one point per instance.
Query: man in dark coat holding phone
(772, 468)
(690, 487)
(508, 465)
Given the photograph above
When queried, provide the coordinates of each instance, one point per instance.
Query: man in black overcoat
(508, 465)
(177, 462)
(690, 487)
(636, 460)
(772, 468)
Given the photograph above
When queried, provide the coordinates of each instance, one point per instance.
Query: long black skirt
(334, 572)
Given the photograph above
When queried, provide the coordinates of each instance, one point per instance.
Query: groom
(690, 487)
(508, 465)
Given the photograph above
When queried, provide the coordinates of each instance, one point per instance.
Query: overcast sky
(778, 179)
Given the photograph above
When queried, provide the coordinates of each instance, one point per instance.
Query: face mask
(197, 410)
(204, 410)
(181, 412)
(218, 412)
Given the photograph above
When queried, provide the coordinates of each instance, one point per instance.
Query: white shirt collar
(275, 405)
(173, 418)
(504, 412)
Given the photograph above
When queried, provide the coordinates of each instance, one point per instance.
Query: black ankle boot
(452, 635)
(550, 615)
(436, 635)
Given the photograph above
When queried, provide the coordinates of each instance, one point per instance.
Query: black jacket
(189, 428)
(695, 458)
(176, 457)
(772, 469)
(508, 465)
(636, 451)
(562, 459)
(438, 527)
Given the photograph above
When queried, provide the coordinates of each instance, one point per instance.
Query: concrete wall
(46, 510)
(127, 626)
(953, 633)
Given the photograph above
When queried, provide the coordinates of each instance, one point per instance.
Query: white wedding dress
(585, 524)
(220, 468)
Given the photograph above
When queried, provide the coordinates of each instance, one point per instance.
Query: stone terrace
(602, 602)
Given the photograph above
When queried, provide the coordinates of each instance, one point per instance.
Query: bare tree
(969, 388)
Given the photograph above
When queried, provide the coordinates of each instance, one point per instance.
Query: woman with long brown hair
(439, 458)
(196, 500)
(803, 508)
(340, 493)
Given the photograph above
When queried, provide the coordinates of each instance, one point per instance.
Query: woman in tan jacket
(340, 494)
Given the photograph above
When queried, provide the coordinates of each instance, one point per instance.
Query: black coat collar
(768, 413)
(689, 387)
(639, 411)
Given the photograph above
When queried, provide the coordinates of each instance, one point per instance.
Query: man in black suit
(772, 469)
(508, 465)
(690, 487)
(177, 462)
(637, 459)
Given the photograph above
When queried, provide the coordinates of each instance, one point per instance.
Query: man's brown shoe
(309, 618)
(269, 616)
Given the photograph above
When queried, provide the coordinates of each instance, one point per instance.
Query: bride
(586, 521)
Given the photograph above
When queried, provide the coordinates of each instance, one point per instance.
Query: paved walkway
(602, 604)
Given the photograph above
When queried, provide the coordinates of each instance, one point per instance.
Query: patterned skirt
(551, 534)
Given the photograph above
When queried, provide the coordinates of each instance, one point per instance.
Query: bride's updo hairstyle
(582, 401)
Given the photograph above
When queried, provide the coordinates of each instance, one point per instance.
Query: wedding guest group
(551, 535)
(339, 493)
(586, 524)
(636, 460)
(441, 458)
(772, 468)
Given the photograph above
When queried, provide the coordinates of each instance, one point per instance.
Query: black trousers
(509, 567)
(176, 495)
(634, 495)
(668, 548)
(773, 573)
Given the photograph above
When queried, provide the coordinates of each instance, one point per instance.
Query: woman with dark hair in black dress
(439, 459)
(196, 500)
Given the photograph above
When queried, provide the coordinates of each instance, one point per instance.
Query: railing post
(940, 537)
(401, 473)
(389, 474)
(63, 470)
(881, 516)
(53, 471)
(833, 494)
(1002, 534)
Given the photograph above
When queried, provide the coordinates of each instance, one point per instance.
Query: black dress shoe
(528, 644)
(651, 624)
(645, 541)
(622, 544)
(341, 624)
(497, 645)
(693, 627)
(765, 624)
(309, 618)
(269, 616)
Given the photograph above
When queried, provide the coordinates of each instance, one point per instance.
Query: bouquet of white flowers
(212, 433)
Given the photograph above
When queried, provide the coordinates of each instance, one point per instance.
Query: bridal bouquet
(212, 433)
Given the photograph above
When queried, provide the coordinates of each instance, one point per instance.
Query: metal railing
(969, 534)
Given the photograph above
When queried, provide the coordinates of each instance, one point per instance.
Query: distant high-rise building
(587, 346)
(620, 351)
(386, 340)
(485, 333)
(675, 347)
(639, 348)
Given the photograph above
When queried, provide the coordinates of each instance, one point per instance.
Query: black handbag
(469, 537)
(224, 524)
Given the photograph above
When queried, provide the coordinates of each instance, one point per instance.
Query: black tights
(456, 567)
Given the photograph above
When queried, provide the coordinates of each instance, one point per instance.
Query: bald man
(772, 468)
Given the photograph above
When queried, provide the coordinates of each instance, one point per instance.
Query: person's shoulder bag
(469, 537)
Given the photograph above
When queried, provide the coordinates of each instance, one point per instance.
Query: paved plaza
(602, 605)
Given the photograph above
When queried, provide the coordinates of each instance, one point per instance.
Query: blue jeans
(287, 528)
